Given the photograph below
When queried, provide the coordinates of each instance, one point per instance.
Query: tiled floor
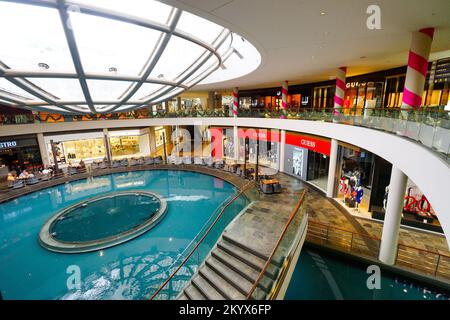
(323, 211)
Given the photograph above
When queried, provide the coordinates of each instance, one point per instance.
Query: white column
(282, 151)
(43, 149)
(236, 142)
(393, 216)
(107, 142)
(332, 168)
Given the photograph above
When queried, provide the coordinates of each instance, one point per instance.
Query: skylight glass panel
(146, 9)
(32, 36)
(235, 65)
(12, 88)
(107, 45)
(178, 56)
(107, 90)
(64, 89)
(198, 27)
(145, 90)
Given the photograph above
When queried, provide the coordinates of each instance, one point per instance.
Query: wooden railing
(423, 261)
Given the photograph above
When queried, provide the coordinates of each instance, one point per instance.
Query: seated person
(24, 174)
(11, 177)
(82, 165)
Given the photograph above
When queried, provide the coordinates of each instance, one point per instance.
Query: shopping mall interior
(306, 143)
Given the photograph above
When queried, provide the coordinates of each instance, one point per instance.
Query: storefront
(268, 146)
(20, 152)
(129, 143)
(308, 157)
(355, 168)
(72, 148)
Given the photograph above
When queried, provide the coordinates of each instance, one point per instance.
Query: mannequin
(386, 193)
(359, 194)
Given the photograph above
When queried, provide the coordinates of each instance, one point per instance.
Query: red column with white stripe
(340, 91)
(235, 102)
(417, 68)
(284, 94)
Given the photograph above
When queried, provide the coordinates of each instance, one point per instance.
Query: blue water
(105, 217)
(131, 270)
(320, 275)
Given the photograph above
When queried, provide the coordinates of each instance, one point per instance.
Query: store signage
(8, 144)
(260, 134)
(315, 144)
(355, 84)
(305, 101)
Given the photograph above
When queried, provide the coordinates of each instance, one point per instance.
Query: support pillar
(339, 94)
(152, 140)
(282, 150)
(235, 102)
(236, 142)
(284, 94)
(393, 216)
(107, 145)
(417, 70)
(332, 168)
(43, 149)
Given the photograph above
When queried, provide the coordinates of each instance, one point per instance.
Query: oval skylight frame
(214, 64)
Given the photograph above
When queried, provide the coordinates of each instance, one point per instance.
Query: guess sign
(315, 144)
(260, 134)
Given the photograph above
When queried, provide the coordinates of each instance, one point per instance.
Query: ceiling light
(43, 66)
(112, 69)
(322, 13)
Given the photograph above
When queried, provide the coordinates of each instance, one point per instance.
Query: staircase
(229, 273)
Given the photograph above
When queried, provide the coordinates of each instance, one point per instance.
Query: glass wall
(129, 143)
(355, 172)
(73, 151)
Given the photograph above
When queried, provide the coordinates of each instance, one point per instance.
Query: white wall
(428, 170)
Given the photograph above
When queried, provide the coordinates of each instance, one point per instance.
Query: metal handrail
(266, 265)
(246, 187)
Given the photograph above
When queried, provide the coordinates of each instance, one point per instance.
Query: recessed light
(113, 69)
(43, 65)
(323, 13)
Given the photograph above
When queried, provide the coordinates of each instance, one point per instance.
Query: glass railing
(429, 126)
(180, 273)
(282, 256)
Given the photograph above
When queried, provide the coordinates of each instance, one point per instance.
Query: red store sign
(260, 134)
(310, 143)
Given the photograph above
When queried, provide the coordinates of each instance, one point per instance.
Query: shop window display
(356, 175)
(77, 150)
(124, 146)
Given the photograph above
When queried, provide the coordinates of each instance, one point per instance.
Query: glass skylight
(102, 56)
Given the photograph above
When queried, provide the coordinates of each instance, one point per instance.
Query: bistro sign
(8, 144)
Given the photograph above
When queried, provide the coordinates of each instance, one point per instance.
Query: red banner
(315, 144)
(216, 143)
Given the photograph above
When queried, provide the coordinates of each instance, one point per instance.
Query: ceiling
(306, 41)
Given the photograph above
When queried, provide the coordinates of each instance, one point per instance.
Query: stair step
(220, 284)
(248, 272)
(248, 258)
(182, 297)
(192, 293)
(235, 279)
(206, 289)
(242, 269)
(246, 248)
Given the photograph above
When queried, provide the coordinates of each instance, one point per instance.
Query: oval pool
(130, 270)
